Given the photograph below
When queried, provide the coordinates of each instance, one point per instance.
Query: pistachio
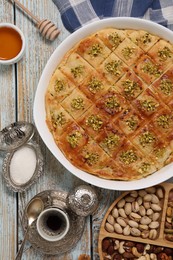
(133, 223)
(148, 197)
(139, 200)
(134, 194)
(155, 216)
(129, 199)
(121, 222)
(122, 213)
(143, 227)
(135, 232)
(109, 227)
(154, 199)
(151, 190)
(145, 220)
(135, 206)
(135, 216)
(145, 234)
(118, 229)
(111, 220)
(149, 212)
(121, 203)
(154, 224)
(115, 213)
(156, 207)
(153, 234)
(128, 208)
(142, 211)
(142, 193)
(147, 204)
(126, 230)
(159, 193)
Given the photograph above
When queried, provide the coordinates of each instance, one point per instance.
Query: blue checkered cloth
(76, 13)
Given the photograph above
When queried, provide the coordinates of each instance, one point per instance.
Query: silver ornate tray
(53, 198)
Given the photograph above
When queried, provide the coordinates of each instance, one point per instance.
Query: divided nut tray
(139, 225)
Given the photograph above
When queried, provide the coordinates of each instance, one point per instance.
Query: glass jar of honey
(12, 43)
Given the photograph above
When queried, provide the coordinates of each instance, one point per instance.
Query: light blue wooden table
(18, 84)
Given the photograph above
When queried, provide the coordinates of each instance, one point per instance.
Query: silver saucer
(53, 198)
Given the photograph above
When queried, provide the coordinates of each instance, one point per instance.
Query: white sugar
(23, 165)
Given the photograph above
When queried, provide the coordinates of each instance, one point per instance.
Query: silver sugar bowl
(16, 139)
(83, 200)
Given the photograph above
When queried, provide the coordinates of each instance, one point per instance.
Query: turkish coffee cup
(53, 224)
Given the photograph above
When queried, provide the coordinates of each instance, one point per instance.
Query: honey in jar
(10, 43)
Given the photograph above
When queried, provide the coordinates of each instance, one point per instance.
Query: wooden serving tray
(161, 237)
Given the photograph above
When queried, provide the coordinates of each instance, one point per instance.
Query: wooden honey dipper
(46, 27)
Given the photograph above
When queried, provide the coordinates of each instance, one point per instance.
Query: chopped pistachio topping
(112, 103)
(166, 86)
(77, 71)
(113, 67)
(115, 39)
(130, 87)
(149, 105)
(145, 167)
(96, 49)
(128, 157)
(151, 69)
(74, 138)
(159, 152)
(164, 54)
(91, 158)
(132, 122)
(95, 85)
(128, 52)
(111, 141)
(146, 138)
(163, 121)
(95, 122)
(77, 103)
(58, 120)
(146, 38)
(59, 85)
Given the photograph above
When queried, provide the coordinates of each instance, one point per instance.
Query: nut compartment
(168, 231)
(157, 237)
(115, 249)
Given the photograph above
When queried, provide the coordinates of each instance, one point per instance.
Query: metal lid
(15, 135)
(83, 200)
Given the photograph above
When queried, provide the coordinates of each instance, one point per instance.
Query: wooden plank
(8, 204)
(55, 176)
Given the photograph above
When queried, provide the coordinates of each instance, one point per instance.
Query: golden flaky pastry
(109, 104)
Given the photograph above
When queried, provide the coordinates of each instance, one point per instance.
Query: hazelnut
(128, 255)
(140, 247)
(162, 256)
(157, 249)
(117, 256)
(168, 251)
(105, 244)
(110, 250)
(129, 244)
